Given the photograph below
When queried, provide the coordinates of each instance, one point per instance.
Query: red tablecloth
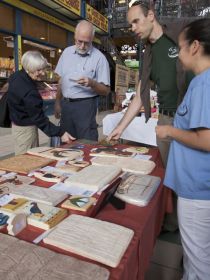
(145, 221)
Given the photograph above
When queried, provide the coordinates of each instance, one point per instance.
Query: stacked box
(121, 85)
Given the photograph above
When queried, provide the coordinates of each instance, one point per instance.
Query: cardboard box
(119, 99)
(121, 76)
(120, 90)
(132, 77)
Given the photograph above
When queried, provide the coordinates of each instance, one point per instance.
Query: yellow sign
(71, 5)
(19, 52)
(96, 18)
(29, 9)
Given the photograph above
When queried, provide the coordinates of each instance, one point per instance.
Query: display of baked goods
(93, 177)
(23, 163)
(133, 165)
(137, 189)
(95, 239)
(26, 261)
(56, 153)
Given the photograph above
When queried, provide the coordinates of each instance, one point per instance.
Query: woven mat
(23, 163)
(25, 261)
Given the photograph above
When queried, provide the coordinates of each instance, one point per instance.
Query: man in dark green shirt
(161, 65)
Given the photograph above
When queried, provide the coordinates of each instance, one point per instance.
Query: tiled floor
(167, 258)
(166, 262)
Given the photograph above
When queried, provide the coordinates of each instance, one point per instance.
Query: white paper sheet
(72, 190)
(137, 130)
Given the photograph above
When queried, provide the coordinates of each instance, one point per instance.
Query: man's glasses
(80, 43)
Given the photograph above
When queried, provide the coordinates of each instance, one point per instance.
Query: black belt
(78, 99)
(167, 113)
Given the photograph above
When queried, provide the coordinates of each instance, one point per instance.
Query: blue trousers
(79, 118)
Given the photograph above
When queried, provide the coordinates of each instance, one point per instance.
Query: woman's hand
(66, 137)
(163, 131)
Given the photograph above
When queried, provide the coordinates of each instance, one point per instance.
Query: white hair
(33, 61)
(86, 23)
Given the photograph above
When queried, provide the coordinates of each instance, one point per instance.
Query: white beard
(82, 52)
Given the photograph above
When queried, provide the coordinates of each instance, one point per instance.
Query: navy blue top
(26, 104)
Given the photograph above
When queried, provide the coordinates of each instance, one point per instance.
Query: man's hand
(163, 131)
(66, 137)
(115, 134)
(57, 109)
(86, 82)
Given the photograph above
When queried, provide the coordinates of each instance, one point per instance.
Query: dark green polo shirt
(164, 57)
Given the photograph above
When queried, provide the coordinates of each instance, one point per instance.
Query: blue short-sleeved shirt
(188, 170)
(72, 66)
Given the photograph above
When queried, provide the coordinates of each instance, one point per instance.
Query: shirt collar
(88, 53)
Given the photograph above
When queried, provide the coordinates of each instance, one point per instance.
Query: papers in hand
(73, 80)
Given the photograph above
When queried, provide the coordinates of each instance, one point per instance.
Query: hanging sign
(96, 18)
(71, 5)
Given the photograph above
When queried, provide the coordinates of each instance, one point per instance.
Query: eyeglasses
(86, 44)
(144, 4)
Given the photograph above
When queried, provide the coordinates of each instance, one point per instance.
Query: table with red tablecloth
(144, 221)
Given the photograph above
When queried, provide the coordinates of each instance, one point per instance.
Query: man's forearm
(131, 112)
(59, 92)
(99, 88)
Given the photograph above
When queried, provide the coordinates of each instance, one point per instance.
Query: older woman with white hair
(26, 105)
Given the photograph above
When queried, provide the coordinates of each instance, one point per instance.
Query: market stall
(145, 222)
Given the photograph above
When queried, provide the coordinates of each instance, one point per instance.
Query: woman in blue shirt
(188, 167)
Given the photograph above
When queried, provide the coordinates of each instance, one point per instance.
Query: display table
(145, 221)
(137, 130)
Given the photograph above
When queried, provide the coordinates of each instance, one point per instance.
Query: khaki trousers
(164, 145)
(170, 222)
(26, 137)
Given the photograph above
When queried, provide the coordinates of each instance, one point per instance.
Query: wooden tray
(23, 163)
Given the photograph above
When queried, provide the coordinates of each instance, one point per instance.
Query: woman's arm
(196, 139)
